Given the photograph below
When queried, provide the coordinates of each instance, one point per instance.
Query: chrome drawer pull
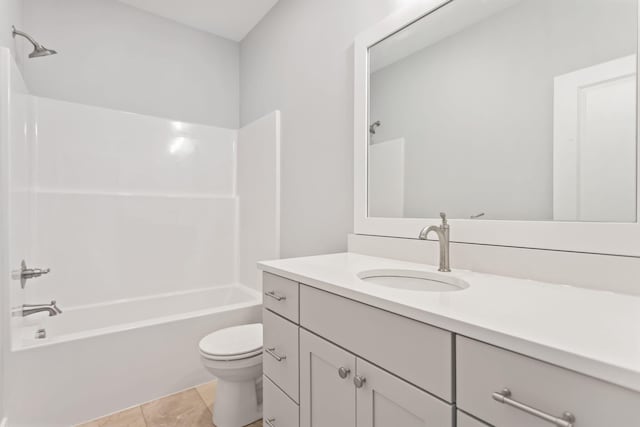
(272, 294)
(504, 396)
(270, 422)
(272, 352)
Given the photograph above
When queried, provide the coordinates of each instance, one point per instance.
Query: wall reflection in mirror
(507, 110)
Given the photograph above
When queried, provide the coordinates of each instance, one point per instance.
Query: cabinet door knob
(359, 381)
(344, 372)
(271, 422)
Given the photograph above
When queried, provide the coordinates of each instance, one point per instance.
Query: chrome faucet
(29, 309)
(443, 239)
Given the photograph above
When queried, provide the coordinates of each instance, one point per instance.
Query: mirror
(518, 110)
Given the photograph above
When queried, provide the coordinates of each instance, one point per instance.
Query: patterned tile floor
(190, 408)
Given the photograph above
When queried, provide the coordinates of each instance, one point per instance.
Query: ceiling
(231, 19)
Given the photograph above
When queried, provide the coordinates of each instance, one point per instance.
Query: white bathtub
(102, 358)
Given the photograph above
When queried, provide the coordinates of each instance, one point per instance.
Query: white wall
(258, 190)
(496, 77)
(10, 14)
(299, 60)
(119, 57)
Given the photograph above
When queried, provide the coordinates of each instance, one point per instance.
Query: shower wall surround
(127, 205)
(14, 196)
(122, 205)
(139, 219)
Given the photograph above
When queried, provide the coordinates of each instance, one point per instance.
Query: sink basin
(413, 280)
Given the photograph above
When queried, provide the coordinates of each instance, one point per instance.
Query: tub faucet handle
(55, 307)
(26, 273)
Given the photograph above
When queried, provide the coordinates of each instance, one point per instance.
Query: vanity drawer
(464, 420)
(277, 408)
(281, 296)
(483, 370)
(414, 351)
(280, 359)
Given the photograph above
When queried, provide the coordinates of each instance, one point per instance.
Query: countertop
(596, 333)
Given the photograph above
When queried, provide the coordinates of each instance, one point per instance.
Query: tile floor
(189, 408)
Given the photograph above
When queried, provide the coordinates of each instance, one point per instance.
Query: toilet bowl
(234, 356)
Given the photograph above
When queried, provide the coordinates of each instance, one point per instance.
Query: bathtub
(102, 358)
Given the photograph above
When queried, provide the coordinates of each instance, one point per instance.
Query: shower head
(38, 49)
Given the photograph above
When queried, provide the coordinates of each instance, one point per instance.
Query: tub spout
(29, 309)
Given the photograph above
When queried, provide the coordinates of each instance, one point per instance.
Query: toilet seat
(235, 343)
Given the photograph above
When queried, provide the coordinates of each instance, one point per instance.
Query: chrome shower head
(38, 49)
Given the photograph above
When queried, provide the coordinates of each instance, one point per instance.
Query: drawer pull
(344, 372)
(359, 381)
(270, 422)
(504, 396)
(272, 294)
(272, 352)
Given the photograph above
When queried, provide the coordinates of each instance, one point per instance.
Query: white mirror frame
(589, 237)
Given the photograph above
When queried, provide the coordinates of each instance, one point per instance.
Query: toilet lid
(241, 340)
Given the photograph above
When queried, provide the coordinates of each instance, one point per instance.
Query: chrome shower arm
(26, 36)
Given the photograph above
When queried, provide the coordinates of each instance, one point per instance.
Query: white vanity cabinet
(339, 389)
(485, 371)
(281, 351)
(350, 364)
(327, 392)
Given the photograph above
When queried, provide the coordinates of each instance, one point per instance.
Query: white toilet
(234, 356)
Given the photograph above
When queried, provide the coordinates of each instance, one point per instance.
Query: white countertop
(592, 332)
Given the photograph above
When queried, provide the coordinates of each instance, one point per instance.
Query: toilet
(234, 356)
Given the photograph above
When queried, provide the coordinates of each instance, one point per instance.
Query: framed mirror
(518, 118)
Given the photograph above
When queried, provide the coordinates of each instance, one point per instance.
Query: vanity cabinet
(281, 352)
(327, 392)
(280, 361)
(464, 420)
(278, 409)
(339, 389)
(331, 361)
(386, 400)
(485, 371)
(418, 353)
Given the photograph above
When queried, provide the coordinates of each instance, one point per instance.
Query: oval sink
(413, 280)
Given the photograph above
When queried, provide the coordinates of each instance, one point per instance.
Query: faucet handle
(55, 307)
(443, 215)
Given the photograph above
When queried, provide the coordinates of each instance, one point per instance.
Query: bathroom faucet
(29, 309)
(443, 239)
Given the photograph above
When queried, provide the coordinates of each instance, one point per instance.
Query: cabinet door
(327, 393)
(384, 400)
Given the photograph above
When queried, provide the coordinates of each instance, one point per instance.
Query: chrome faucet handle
(443, 215)
(55, 307)
(26, 273)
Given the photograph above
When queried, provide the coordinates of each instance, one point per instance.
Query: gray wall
(299, 60)
(476, 109)
(10, 14)
(115, 56)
